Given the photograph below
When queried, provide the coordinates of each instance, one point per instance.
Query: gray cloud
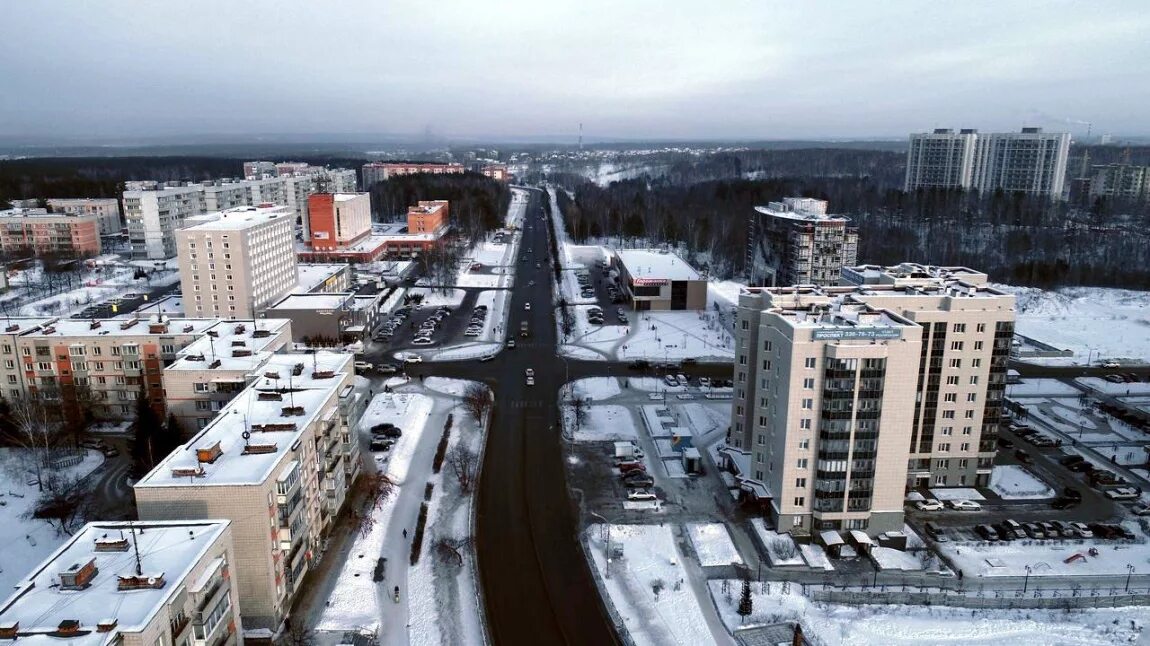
(626, 69)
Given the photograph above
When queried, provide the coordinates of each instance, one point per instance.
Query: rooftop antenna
(136, 548)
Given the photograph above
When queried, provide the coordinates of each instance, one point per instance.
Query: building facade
(1030, 161)
(278, 461)
(106, 210)
(940, 159)
(235, 263)
(1120, 181)
(338, 219)
(658, 280)
(944, 341)
(374, 172)
(38, 232)
(131, 583)
(428, 216)
(795, 242)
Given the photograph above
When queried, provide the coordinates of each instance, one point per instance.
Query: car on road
(110, 451)
(96, 444)
(1023, 457)
(639, 364)
(1110, 364)
(510, 343)
(487, 357)
(1141, 509)
(387, 368)
(530, 381)
(929, 505)
(1005, 443)
(530, 372)
(422, 340)
(413, 358)
(527, 306)
(964, 505)
(363, 366)
(640, 494)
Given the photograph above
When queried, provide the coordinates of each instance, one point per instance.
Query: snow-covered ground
(28, 541)
(781, 548)
(1101, 385)
(1045, 558)
(841, 625)
(713, 544)
(1013, 482)
(1032, 387)
(100, 280)
(596, 388)
(1095, 323)
(650, 560)
(603, 423)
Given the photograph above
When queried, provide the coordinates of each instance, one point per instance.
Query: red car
(628, 467)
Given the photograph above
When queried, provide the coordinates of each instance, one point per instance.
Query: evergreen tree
(746, 604)
(147, 447)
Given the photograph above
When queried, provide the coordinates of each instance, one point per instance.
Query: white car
(1141, 509)
(671, 381)
(705, 382)
(530, 372)
(965, 505)
(640, 494)
(527, 306)
(363, 366)
(1122, 493)
(530, 380)
(423, 340)
(413, 358)
(1111, 364)
(487, 357)
(928, 505)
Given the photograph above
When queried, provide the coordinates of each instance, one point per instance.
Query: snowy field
(1046, 558)
(597, 388)
(713, 544)
(1032, 387)
(1095, 323)
(650, 559)
(956, 493)
(437, 297)
(104, 278)
(840, 625)
(604, 423)
(1014, 482)
(28, 541)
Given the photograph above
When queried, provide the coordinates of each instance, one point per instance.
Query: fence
(1049, 598)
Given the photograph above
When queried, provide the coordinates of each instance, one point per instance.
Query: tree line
(478, 203)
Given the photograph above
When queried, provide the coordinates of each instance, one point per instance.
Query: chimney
(78, 577)
(106, 625)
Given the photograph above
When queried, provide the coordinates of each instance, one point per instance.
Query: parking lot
(407, 327)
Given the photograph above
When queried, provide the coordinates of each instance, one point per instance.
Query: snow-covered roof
(800, 215)
(321, 301)
(347, 197)
(643, 263)
(309, 276)
(139, 326)
(168, 551)
(239, 218)
(231, 345)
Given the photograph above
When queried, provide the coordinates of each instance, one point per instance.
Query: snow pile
(1101, 385)
(892, 559)
(407, 411)
(1013, 482)
(956, 493)
(713, 545)
(781, 548)
(650, 561)
(816, 557)
(841, 625)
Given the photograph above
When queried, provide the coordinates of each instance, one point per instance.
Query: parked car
(638, 479)
(986, 532)
(1141, 509)
(964, 505)
(387, 368)
(1070, 460)
(671, 381)
(929, 505)
(413, 358)
(387, 429)
(1023, 457)
(381, 444)
(640, 494)
(1011, 529)
(936, 533)
(363, 366)
(639, 364)
(510, 343)
(1005, 443)
(110, 451)
(1082, 529)
(1122, 493)
(1034, 530)
(632, 466)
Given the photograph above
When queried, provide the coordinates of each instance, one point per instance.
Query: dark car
(639, 364)
(638, 479)
(1005, 443)
(386, 430)
(1023, 457)
(1071, 460)
(1063, 502)
(1072, 494)
(381, 445)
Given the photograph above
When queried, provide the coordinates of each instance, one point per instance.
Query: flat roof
(43, 213)
(321, 301)
(841, 314)
(347, 197)
(167, 548)
(801, 216)
(309, 276)
(236, 345)
(56, 328)
(239, 218)
(646, 263)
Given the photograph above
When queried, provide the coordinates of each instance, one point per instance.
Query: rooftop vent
(292, 411)
(209, 454)
(106, 625)
(261, 334)
(129, 323)
(140, 582)
(94, 325)
(48, 330)
(157, 328)
(195, 357)
(189, 328)
(8, 629)
(240, 329)
(270, 397)
(12, 328)
(238, 343)
(271, 428)
(297, 370)
(188, 472)
(215, 364)
(78, 577)
(214, 334)
(323, 374)
(68, 627)
(272, 374)
(105, 544)
(241, 353)
(257, 449)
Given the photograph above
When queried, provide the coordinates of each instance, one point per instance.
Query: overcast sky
(666, 69)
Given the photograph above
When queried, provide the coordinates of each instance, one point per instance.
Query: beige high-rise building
(277, 461)
(132, 584)
(846, 396)
(236, 262)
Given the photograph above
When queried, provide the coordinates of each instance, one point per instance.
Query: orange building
(429, 216)
(41, 232)
(338, 220)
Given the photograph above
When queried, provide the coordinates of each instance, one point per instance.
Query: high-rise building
(153, 213)
(36, 231)
(1122, 181)
(795, 242)
(338, 219)
(106, 210)
(374, 172)
(939, 338)
(940, 159)
(236, 262)
(130, 583)
(278, 461)
(1030, 161)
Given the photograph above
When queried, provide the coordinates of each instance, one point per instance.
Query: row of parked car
(427, 329)
(1010, 530)
(385, 331)
(383, 436)
(478, 317)
(633, 471)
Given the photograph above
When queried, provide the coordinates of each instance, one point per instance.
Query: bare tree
(450, 548)
(477, 401)
(579, 409)
(65, 504)
(37, 429)
(464, 462)
(298, 634)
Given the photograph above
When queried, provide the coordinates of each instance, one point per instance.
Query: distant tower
(580, 135)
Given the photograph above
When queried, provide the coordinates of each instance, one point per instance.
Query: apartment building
(254, 169)
(234, 263)
(338, 219)
(940, 159)
(497, 172)
(658, 280)
(277, 461)
(106, 210)
(374, 172)
(210, 371)
(1030, 161)
(96, 366)
(824, 391)
(131, 584)
(1120, 181)
(795, 242)
(428, 216)
(37, 231)
(947, 423)
(152, 214)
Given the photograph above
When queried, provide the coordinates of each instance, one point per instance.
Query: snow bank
(1014, 482)
(713, 544)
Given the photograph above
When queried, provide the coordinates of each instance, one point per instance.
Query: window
(944, 447)
(956, 363)
(808, 404)
(974, 380)
(978, 345)
(805, 423)
(746, 324)
(767, 346)
(801, 463)
(948, 414)
(800, 482)
(201, 387)
(809, 383)
(970, 397)
(965, 446)
(799, 502)
(43, 365)
(981, 327)
(742, 359)
(950, 397)
(203, 405)
(959, 328)
(939, 480)
(947, 430)
(966, 430)
(952, 380)
(962, 463)
(956, 345)
(810, 362)
(977, 363)
(968, 414)
(805, 444)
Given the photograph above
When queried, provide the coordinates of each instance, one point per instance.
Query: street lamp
(607, 551)
(1026, 580)
(1129, 571)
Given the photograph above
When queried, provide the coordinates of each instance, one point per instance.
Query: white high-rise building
(154, 213)
(1030, 161)
(235, 263)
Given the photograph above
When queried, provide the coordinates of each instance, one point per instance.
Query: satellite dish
(151, 580)
(246, 435)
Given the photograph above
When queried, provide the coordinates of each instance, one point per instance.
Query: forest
(477, 202)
